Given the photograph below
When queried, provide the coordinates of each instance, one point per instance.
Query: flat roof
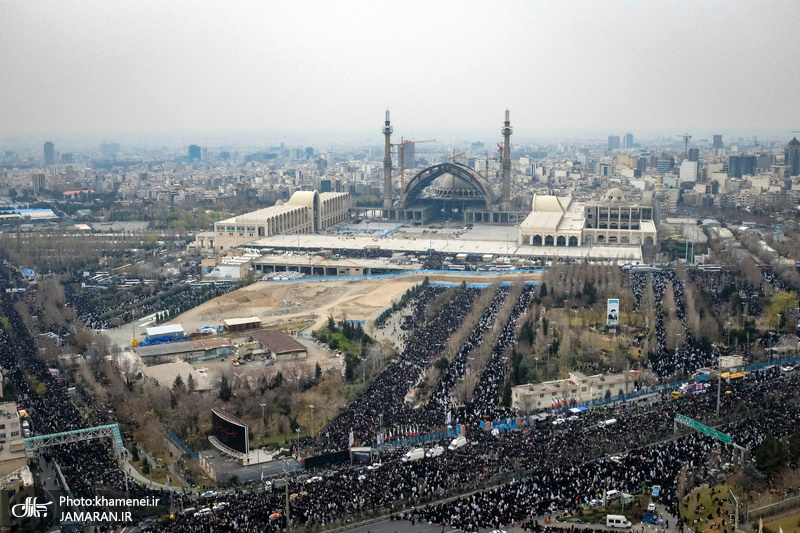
(167, 348)
(420, 244)
(241, 321)
(277, 341)
(210, 344)
(169, 329)
(317, 260)
(166, 373)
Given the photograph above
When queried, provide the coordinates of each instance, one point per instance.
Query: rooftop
(166, 373)
(277, 341)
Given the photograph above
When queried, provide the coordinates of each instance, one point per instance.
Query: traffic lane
(400, 526)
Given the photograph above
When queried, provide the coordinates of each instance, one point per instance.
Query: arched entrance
(548, 241)
(537, 240)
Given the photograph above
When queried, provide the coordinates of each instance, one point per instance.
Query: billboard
(230, 431)
(612, 318)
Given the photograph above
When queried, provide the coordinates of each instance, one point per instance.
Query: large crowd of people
(541, 471)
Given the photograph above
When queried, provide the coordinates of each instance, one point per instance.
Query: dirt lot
(306, 305)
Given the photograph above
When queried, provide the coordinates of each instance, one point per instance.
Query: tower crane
(686, 138)
(455, 156)
(402, 144)
(486, 167)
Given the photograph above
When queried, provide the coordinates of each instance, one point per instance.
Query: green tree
(145, 466)
(225, 391)
(190, 384)
(441, 364)
(794, 445)
(769, 455)
(317, 372)
(506, 401)
(348, 369)
(178, 385)
(781, 303)
(543, 292)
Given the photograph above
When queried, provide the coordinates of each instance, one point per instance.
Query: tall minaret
(506, 131)
(387, 164)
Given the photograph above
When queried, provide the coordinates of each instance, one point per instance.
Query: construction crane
(486, 167)
(455, 156)
(686, 138)
(402, 153)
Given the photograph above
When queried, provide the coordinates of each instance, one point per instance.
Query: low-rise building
(577, 388)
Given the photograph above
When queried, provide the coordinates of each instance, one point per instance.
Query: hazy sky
(165, 65)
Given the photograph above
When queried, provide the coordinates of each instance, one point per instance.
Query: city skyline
(284, 69)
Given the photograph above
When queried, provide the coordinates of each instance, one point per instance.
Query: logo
(30, 509)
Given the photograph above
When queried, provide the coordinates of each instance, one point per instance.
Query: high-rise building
(109, 149)
(613, 142)
(742, 165)
(664, 165)
(717, 142)
(629, 140)
(37, 181)
(688, 171)
(66, 158)
(49, 154)
(694, 154)
(792, 158)
(195, 153)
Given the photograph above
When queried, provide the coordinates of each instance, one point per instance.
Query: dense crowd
(545, 470)
(86, 466)
(97, 311)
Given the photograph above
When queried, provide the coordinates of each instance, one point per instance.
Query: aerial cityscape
(367, 267)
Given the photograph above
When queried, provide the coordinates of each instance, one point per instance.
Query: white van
(609, 422)
(457, 443)
(413, 455)
(613, 494)
(617, 520)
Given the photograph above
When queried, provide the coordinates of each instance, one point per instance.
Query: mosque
(561, 221)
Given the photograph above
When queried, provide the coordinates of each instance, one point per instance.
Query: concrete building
(12, 439)
(38, 182)
(553, 221)
(578, 388)
(613, 219)
(49, 154)
(276, 343)
(195, 350)
(15, 488)
(792, 158)
(616, 220)
(305, 212)
(742, 165)
(689, 171)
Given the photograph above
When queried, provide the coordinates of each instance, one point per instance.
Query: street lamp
(298, 442)
(312, 421)
(263, 412)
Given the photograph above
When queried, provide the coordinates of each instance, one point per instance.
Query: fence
(790, 501)
(182, 445)
(422, 439)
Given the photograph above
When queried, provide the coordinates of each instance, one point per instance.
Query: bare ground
(310, 303)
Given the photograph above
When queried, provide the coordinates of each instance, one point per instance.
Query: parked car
(209, 494)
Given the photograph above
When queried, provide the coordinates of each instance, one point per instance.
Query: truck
(413, 455)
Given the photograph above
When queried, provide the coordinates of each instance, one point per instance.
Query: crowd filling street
(517, 477)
